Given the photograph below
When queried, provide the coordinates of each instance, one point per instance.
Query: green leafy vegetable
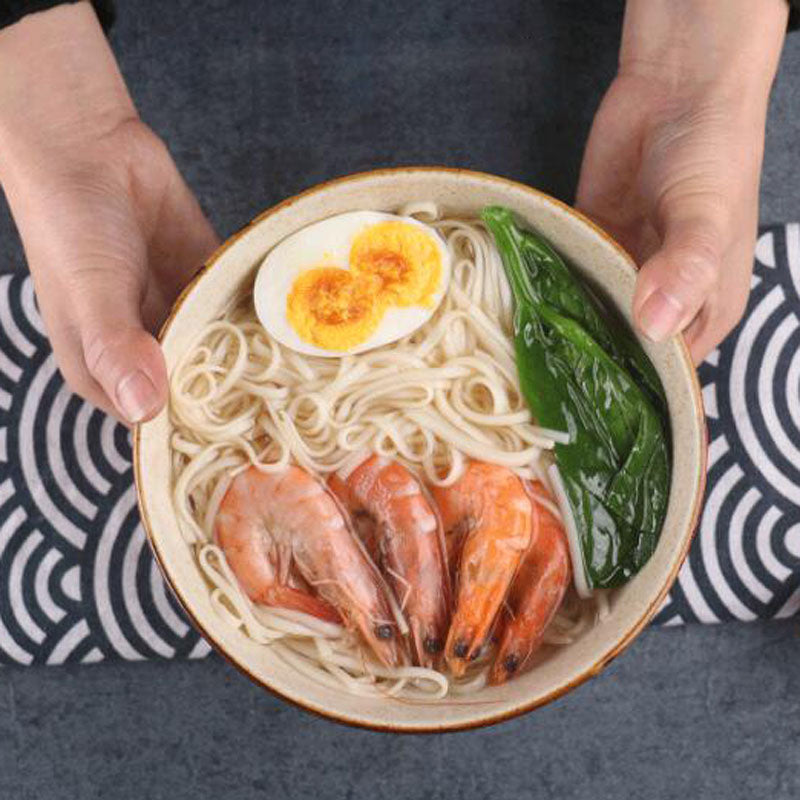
(583, 372)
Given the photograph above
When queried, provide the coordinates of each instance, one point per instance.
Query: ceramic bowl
(601, 261)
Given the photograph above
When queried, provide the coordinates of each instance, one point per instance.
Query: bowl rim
(604, 659)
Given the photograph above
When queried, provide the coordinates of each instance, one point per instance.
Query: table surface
(258, 101)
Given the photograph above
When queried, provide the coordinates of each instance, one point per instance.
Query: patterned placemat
(78, 582)
(745, 561)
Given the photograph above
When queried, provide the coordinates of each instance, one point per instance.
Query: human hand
(672, 165)
(111, 231)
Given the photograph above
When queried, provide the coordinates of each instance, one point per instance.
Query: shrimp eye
(511, 662)
(384, 632)
(461, 649)
(433, 645)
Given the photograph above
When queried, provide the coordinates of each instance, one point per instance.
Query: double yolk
(392, 264)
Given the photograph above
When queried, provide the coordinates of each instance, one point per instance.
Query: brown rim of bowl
(601, 662)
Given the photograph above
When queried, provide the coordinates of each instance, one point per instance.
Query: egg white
(327, 244)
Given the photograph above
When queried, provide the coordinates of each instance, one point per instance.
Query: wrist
(60, 91)
(729, 48)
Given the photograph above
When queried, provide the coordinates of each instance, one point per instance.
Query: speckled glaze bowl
(595, 255)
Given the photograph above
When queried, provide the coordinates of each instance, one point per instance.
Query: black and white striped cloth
(78, 582)
(745, 560)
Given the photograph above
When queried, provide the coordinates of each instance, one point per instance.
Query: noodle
(445, 393)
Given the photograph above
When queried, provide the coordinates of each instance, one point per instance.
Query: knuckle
(142, 143)
(107, 351)
(697, 263)
(97, 350)
(99, 272)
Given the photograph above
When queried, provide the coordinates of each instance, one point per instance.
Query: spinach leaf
(589, 377)
(553, 283)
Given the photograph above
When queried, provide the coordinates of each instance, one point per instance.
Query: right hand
(672, 165)
(111, 231)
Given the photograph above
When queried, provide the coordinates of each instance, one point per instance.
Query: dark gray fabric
(256, 106)
(697, 713)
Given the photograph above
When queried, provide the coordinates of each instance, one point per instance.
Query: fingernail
(660, 316)
(136, 396)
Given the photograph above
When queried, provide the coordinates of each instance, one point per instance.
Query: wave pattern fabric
(78, 582)
(745, 561)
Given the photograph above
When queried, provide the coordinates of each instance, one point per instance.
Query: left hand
(111, 230)
(672, 165)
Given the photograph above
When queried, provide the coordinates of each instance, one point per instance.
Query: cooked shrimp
(487, 520)
(271, 523)
(402, 533)
(535, 594)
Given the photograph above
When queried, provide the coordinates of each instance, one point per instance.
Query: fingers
(111, 240)
(102, 349)
(89, 265)
(721, 313)
(696, 284)
(674, 283)
(66, 343)
(178, 235)
(185, 238)
(128, 365)
(182, 242)
(121, 357)
(674, 178)
(700, 335)
(119, 353)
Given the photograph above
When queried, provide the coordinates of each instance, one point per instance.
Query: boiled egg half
(351, 283)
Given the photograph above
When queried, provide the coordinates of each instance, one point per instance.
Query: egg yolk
(403, 257)
(333, 308)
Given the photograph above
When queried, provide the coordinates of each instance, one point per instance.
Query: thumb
(121, 355)
(674, 283)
